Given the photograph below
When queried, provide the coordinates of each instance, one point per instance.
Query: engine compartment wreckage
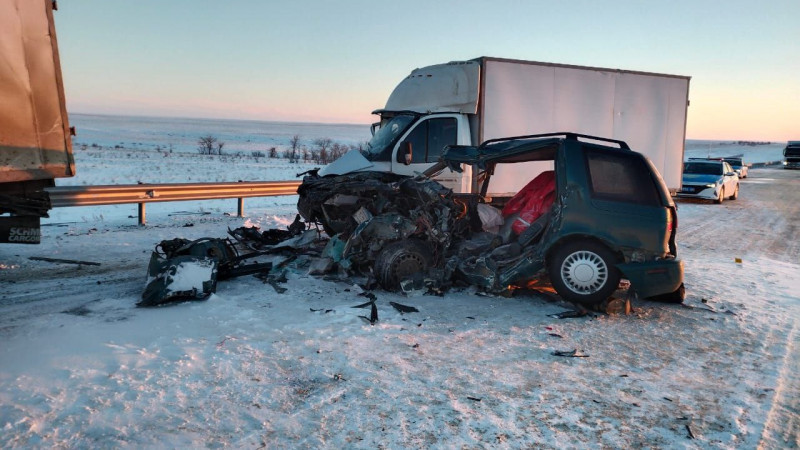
(594, 214)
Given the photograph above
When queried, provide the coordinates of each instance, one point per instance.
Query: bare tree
(206, 145)
(322, 151)
(294, 144)
(273, 152)
(337, 150)
(219, 147)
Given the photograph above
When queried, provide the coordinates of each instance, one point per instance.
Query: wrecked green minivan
(593, 213)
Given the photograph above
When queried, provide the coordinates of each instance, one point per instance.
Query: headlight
(710, 185)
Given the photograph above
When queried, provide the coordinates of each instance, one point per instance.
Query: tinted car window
(620, 177)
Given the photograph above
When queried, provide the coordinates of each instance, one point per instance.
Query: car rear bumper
(655, 277)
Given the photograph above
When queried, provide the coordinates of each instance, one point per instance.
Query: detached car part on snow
(180, 269)
(601, 212)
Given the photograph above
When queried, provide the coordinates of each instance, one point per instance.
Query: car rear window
(618, 176)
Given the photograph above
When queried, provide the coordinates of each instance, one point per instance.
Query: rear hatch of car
(626, 202)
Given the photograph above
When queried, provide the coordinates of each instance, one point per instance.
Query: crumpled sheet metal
(369, 212)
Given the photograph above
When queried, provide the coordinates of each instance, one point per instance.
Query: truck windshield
(379, 148)
(791, 151)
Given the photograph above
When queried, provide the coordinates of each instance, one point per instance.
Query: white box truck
(35, 144)
(469, 102)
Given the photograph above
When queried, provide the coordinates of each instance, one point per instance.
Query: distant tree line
(323, 150)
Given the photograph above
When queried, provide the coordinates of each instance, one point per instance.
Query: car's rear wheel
(735, 193)
(721, 196)
(399, 260)
(584, 272)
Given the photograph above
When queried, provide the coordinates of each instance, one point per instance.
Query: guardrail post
(141, 214)
(241, 207)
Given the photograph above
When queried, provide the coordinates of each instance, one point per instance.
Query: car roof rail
(566, 134)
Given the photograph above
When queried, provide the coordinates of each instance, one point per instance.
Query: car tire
(721, 196)
(673, 297)
(584, 272)
(735, 193)
(399, 260)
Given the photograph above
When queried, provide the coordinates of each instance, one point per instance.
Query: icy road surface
(80, 366)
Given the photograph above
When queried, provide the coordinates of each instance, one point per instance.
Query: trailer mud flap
(20, 230)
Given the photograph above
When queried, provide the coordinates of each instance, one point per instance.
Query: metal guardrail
(64, 196)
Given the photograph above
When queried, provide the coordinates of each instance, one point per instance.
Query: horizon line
(81, 113)
(327, 123)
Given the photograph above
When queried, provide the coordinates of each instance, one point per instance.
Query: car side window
(622, 177)
(428, 139)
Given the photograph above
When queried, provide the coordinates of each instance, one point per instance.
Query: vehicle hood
(700, 178)
(352, 161)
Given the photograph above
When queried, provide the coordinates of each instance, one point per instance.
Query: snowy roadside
(80, 366)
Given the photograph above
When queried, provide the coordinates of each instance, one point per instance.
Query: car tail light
(670, 221)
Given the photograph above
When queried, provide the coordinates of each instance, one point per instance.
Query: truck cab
(408, 143)
(791, 155)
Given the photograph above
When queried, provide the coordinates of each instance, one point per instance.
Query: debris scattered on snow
(64, 261)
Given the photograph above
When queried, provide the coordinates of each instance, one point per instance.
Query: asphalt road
(765, 219)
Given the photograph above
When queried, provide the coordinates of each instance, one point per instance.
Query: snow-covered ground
(80, 366)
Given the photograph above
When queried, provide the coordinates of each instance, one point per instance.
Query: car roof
(704, 161)
(536, 147)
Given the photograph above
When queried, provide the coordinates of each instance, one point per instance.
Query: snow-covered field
(250, 367)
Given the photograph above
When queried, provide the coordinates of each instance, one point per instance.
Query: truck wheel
(735, 193)
(673, 297)
(584, 272)
(399, 260)
(721, 196)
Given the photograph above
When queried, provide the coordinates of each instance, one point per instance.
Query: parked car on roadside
(596, 212)
(710, 180)
(738, 165)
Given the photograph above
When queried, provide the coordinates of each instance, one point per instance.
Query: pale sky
(336, 61)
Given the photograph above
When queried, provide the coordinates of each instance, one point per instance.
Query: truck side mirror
(408, 152)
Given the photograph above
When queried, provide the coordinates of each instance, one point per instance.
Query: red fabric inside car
(532, 201)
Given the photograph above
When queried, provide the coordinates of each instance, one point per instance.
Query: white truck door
(422, 145)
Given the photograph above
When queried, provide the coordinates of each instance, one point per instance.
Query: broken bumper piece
(181, 270)
(654, 278)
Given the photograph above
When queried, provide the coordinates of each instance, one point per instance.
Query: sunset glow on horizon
(336, 63)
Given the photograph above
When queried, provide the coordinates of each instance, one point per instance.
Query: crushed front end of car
(386, 225)
(412, 233)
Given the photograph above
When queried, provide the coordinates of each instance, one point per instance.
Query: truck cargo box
(35, 139)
